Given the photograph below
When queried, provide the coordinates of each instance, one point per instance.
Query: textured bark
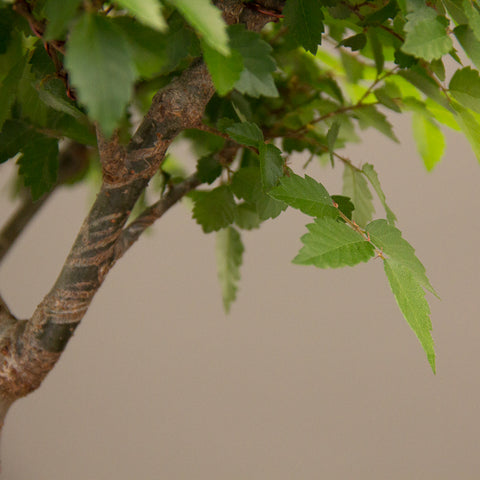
(29, 349)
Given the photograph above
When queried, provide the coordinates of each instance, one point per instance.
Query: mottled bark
(29, 349)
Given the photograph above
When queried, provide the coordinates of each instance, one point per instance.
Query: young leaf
(230, 250)
(207, 21)
(214, 209)
(146, 11)
(429, 139)
(372, 176)
(389, 239)
(39, 165)
(271, 165)
(96, 54)
(333, 244)
(427, 35)
(411, 300)
(306, 194)
(465, 88)
(355, 186)
(256, 78)
(246, 133)
(304, 21)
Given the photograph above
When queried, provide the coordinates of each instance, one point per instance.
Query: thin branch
(132, 232)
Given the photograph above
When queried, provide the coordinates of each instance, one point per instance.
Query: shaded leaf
(246, 133)
(59, 14)
(271, 165)
(465, 88)
(208, 169)
(355, 186)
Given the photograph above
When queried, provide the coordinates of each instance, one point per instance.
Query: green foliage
(278, 92)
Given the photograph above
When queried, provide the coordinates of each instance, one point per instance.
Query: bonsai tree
(102, 90)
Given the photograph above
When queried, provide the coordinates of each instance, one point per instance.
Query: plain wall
(314, 374)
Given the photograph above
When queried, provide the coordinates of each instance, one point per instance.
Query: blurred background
(314, 374)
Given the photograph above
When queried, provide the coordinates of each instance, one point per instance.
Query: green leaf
(101, 69)
(146, 11)
(372, 176)
(13, 136)
(52, 93)
(230, 250)
(304, 19)
(377, 49)
(246, 216)
(429, 139)
(271, 165)
(370, 117)
(214, 209)
(385, 99)
(410, 298)
(332, 136)
(473, 14)
(469, 42)
(345, 205)
(389, 239)
(256, 78)
(465, 88)
(305, 194)
(59, 14)
(8, 89)
(333, 244)
(246, 133)
(208, 169)
(470, 127)
(207, 21)
(356, 42)
(225, 70)
(355, 186)
(39, 165)
(426, 34)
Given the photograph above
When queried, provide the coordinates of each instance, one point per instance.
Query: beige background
(314, 375)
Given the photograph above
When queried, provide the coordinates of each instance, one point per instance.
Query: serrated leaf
(146, 11)
(429, 140)
(59, 13)
(207, 21)
(332, 244)
(256, 78)
(385, 99)
(304, 19)
(305, 194)
(372, 176)
(96, 54)
(271, 165)
(229, 248)
(469, 42)
(246, 216)
(470, 127)
(426, 34)
(39, 165)
(370, 117)
(465, 88)
(410, 298)
(246, 133)
(214, 209)
(389, 239)
(225, 70)
(208, 169)
(355, 186)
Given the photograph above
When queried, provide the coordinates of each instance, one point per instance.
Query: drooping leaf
(271, 165)
(59, 14)
(214, 209)
(429, 139)
(332, 136)
(207, 21)
(229, 248)
(370, 117)
(304, 19)
(305, 194)
(389, 239)
(39, 165)
(52, 93)
(465, 88)
(418, 78)
(246, 216)
(469, 42)
(470, 127)
(146, 11)
(332, 244)
(96, 54)
(256, 78)
(427, 35)
(377, 49)
(372, 176)
(355, 186)
(411, 300)
(246, 133)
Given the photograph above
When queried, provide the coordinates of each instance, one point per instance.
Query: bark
(30, 348)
